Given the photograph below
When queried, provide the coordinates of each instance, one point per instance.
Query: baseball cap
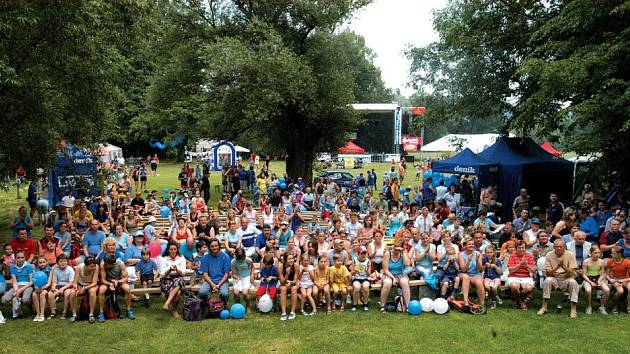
(284, 223)
(536, 221)
(152, 218)
(138, 233)
(362, 249)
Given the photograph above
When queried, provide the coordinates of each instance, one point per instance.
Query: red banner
(411, 143)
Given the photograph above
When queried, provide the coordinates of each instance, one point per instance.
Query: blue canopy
(524, 164)
(467, 162)
(74, 170)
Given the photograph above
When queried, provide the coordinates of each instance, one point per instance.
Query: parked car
(342, 178)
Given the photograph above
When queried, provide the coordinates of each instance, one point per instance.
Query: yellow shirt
(340, 275)
(262, 185)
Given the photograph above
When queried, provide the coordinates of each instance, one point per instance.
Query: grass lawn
(500, 330)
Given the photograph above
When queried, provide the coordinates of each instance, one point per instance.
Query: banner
(411, 143)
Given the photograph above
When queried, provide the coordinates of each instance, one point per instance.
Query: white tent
(475, 142)
(111, 153)
(241, 149)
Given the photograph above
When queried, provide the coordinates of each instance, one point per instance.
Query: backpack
(215, 306)
(112, 310)
(472, 308)
(193, 308)
(84, 309)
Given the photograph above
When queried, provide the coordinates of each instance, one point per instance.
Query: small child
(306, 285)
(492, 269)
(242, 269)
(340, 279)
(321, 279)
(39, 294)
(447, 272)
(61, 285)
(202, 249)
(268, 278)
(361, 269)
(148, 270)
(594, 275)
(51, 252)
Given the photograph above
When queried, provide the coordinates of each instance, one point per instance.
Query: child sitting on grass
(321, 278)
(447, 271)
(340, 279)
(147, 269)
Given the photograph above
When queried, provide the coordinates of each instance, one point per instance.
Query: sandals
(328, 311)
(53, 315)
(383, 309)
(63, 316)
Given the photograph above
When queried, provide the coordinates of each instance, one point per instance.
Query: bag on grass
(215, 306)
(471, 308)
(112, 310)
(193, 308)
(84, 309)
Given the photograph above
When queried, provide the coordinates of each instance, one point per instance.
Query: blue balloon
(283, 185)
(427, 174)
(414, 307)
(237, 311)
(40, 279)
(282, 180)
(166, 190)
(224, 315)
(164, 211)
(402, 191)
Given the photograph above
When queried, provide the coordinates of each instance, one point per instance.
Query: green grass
(155, 331)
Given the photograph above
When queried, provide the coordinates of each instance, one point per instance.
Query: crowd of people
(355, 235)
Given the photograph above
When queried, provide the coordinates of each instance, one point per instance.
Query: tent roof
(465, 159)
(550, 149)
(239, 148)
(475, 142)
(351, 148)
(522, 151)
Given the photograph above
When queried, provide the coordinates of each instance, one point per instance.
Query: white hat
(152, 218)
(284, 223)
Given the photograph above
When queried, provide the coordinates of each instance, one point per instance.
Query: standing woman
(471, 267)
(394, 263)
(288, 272)
(172, 267)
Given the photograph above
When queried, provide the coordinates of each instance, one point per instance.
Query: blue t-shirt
(187, 253)
(146, 268)
(491, 273)
(93, 241)
(248, 236)
(266, 272)
(21, 225)
(62, 240)
(626, 250)
(451, 270)
(261, 240)
(22, 274)
(427, 193)
(133, 252)
(215, 266)
(101, 256)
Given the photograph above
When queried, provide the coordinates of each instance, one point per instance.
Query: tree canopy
(554, 69)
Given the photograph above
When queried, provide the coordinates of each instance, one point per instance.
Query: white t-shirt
(67, 201)
(440, 191)
(441, 250)
(353, 229)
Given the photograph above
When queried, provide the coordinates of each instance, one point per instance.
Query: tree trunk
(300, 161)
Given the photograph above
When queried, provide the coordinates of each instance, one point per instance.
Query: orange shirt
(619, 270)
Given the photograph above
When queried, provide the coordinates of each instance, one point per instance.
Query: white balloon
(265, 304)
(440, 306)
(427, 304)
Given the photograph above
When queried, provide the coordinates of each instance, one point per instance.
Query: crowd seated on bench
(337, 248)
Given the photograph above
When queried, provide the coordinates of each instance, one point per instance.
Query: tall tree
(556, 69)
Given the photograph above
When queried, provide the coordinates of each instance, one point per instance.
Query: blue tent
(467, 162)
(524, 164)
(74, 170)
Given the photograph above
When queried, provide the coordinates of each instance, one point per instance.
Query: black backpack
(193, 308)
(112, 310)
(84, 309)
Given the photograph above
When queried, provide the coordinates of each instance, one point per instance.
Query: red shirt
(521, 272)
(619, 270)
(29, 246)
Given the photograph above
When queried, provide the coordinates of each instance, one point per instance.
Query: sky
(388, 27)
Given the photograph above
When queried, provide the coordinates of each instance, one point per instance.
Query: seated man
(114, 279)
(215, 267)
(560, 266)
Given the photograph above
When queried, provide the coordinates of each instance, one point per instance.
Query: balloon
(435, 183)
(155, 248)
(166, 190)
(414, 307)
(224, 315)
(265, 304)
(431, 281)
(427, 304)
(283, 185)
(402, 190)
(282, 180)
(40, 279)
(237, 311)
(440, 306)
(164, 211)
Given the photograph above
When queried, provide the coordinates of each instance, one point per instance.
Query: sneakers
(39, 318)
(365, 308)
(91, 318)
(101, 317)
(283, 317)
(147, 303)
(72, 319)
(131, 315)
(588, 310)
(493, 305)
(354, 309)
(499, 301)
(349, 299)
(602, 310)
(2, 320)
(292, 316)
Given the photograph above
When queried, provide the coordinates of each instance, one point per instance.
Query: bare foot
(176, 315)
(165, 307)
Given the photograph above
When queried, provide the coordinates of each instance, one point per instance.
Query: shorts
(42, 206)
(449, 277)
(262, 290)
(148, 278)
(143, 179)
(321, 285)
(522, 281)
(153, 166)
(243, 284)
(339, 287)
(305, 284)
(594, 279)
(168, 284)
(377, 267)
(488, 281)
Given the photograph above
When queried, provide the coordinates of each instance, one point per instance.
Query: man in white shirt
(440, 191)
(424, 221)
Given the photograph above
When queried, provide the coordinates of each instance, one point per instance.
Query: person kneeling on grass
(594, 275)
(171, 268)
(242, 270)
(361, 269)
(321, 278)
(288, 272)
(113, 279)
(619, 276)
(61, 285)
(215, 267)
(560, 266)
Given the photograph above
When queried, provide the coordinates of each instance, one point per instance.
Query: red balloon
(155, 248)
